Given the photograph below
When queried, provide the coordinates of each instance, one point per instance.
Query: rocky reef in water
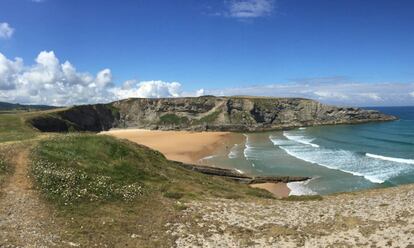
(207, 113)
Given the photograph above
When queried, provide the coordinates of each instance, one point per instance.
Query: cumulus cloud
(48, 81)
(6, 31)
(148, 89)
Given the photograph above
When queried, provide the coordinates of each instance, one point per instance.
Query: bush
(172, 119)
(173, 195)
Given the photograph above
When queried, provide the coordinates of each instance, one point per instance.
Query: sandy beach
(184, 146)
(278, 189)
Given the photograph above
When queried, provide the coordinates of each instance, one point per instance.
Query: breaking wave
(300, 188)
(398, 160)
(374, 168)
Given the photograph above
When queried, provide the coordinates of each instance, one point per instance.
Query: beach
(183, 146)
(192, 147)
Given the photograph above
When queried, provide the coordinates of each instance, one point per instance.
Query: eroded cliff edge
(207, 113)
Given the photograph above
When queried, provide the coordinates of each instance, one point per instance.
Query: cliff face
(94, 118)
(236, 113)
(207, 113)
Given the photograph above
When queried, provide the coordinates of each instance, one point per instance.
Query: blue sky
(174, 48)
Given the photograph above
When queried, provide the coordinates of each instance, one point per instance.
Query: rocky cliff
(205, 113)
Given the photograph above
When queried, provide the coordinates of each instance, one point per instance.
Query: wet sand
(278, 189)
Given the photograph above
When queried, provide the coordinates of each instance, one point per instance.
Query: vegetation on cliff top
(13, 128)
(80, 168)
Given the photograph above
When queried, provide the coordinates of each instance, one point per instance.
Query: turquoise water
(338, 158)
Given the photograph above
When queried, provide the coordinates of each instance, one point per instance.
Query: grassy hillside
(133, 190)
(100, 191)
(81, 168)
(14, 128)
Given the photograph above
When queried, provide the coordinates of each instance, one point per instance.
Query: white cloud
(148, 89)
(330, 95)
(249, 8)
(370, 95)
(6, 31)
(200, 92)
(9, 69)
(50, 82)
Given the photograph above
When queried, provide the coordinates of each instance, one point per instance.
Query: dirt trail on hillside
(24, 220)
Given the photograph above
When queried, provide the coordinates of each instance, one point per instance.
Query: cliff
(205, 113)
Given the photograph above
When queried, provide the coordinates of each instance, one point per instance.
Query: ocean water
(338, 158)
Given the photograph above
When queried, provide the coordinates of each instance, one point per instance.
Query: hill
(5, 106)
(204, 114)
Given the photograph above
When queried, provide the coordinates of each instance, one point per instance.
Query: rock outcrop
(233, 174)
(93, 118)
(206, 113)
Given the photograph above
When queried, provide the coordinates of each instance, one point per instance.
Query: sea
(338, 158)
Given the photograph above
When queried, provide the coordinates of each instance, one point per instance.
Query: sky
(344, 52)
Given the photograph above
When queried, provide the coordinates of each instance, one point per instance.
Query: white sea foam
(300, 188)
(249, 150)
(239, 171)
(373, 169)
(302, 128)
(234, 152)
(300, 139)
(398, 160)
(208, 157)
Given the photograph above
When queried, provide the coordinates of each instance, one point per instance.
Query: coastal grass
(208, 119)
(172, 119)
(80, 168)
(13, 127)
(5, 168)
(114, 192)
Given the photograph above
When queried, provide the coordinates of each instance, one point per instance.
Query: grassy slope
(77, 168)
(136, 190)
(107, 191)
(13, 127)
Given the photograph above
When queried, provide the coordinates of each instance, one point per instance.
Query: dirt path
(24, 220)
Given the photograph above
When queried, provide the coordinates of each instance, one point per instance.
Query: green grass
(81, 174)
(81, 168)
(14, 128)
(78, 168)
(210, 118)
(4, 168)
(6, 154)
(263, 103)
(173, 119)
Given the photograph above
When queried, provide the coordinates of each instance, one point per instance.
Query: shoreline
(192, 147)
